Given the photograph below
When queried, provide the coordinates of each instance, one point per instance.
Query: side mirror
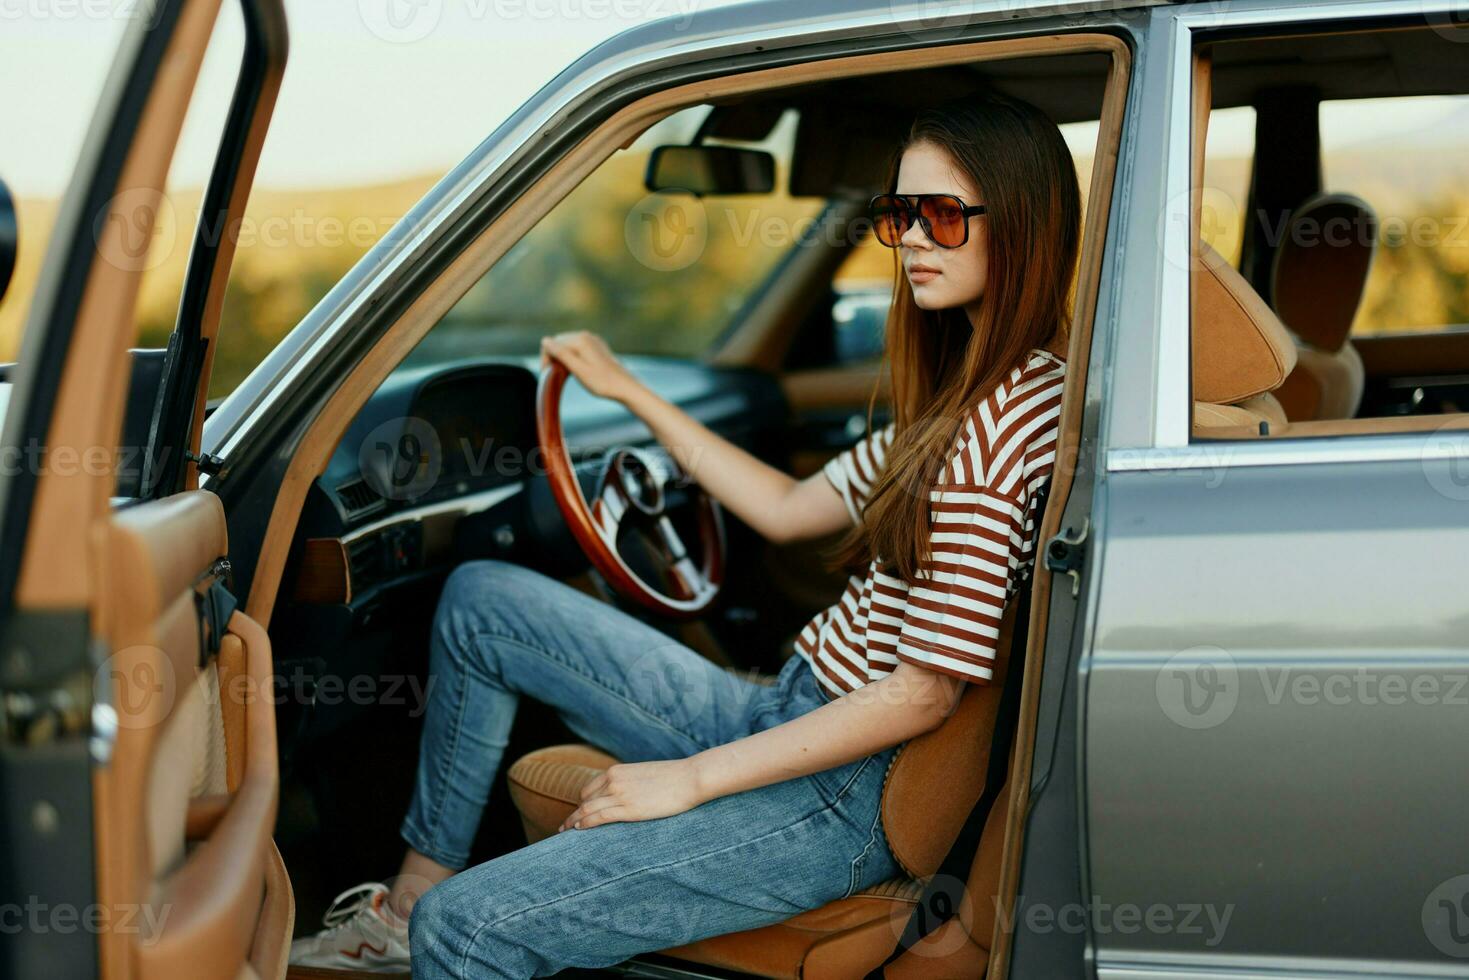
(704, 170)
(9, 232)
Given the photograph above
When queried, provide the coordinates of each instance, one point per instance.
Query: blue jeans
(596, 897)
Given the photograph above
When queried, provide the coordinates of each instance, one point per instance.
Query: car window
(1229, 151)
(1409, 159)
(170, 213)
(51, 98)
(662, 273)
(862, 291)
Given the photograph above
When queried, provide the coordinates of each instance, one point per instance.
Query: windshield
(653, 273)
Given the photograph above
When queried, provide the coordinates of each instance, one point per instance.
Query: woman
(741, 804)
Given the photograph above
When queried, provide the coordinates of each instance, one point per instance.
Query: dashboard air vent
(358, 498)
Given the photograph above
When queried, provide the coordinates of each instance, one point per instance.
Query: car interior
(1307, 259)
(375, 539)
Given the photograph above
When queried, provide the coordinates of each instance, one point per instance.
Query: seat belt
(945, 890)
(213, 608)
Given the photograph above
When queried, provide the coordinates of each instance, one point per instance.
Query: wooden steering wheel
(631, 495)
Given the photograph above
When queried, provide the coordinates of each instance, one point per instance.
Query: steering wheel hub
(640, 482)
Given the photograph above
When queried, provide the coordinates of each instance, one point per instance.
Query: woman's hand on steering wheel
(632, 491)
(591, 362)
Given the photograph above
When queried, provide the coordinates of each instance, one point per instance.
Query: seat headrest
(1240, 347)
(1320, 267)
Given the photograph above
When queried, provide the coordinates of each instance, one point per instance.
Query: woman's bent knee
(437, 935)
(487, 596)
(453, 932)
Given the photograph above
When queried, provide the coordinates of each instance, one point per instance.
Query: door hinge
(1066, 552)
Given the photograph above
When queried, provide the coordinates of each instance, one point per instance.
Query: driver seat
(932, 785)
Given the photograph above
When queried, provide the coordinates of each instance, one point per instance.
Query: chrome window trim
(639, 50)
(1231, 966)
(1390, 447)
(1168, 424)
(1171, 404)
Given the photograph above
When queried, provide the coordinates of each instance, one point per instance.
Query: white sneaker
(362, 933)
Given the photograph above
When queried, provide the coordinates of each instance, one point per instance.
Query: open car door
(137, 750)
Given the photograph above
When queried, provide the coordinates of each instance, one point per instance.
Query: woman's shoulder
(1041, 363)
(1038, 377)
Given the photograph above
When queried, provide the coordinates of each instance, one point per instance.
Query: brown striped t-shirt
(981, 521)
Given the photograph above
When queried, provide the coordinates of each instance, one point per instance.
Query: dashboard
(443, 465)
(467, 429)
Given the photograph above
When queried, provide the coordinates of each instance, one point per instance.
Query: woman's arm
(908, 702)
(778, 506)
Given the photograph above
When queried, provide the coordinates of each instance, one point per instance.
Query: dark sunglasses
(943, 217)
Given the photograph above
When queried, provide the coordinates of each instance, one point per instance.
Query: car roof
(760, 16)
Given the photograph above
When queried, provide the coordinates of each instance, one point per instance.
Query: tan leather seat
(1241, 351)
(932, 785)
(1318, 277)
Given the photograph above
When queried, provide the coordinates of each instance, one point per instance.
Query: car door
(1272, 687)
(138, 758)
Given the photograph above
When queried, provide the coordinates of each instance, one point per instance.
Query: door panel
(183, 812)
(155, 790)
(1274, 713)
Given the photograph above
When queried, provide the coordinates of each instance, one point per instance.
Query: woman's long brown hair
(942, 365)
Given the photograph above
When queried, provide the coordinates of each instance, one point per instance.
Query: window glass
(154, 226)
(660, 273)
(862, 291)
(179, 208)
(1409, 159)
(1229, 151)
(52, 74)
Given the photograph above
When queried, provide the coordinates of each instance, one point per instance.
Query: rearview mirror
(9, 230)
(704, 170)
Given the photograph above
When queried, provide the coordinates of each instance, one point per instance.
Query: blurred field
(576, 269)
(294, 245)
(1420, 273)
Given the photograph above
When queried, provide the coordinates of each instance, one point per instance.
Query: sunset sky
(372, 92)
(375, 90)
